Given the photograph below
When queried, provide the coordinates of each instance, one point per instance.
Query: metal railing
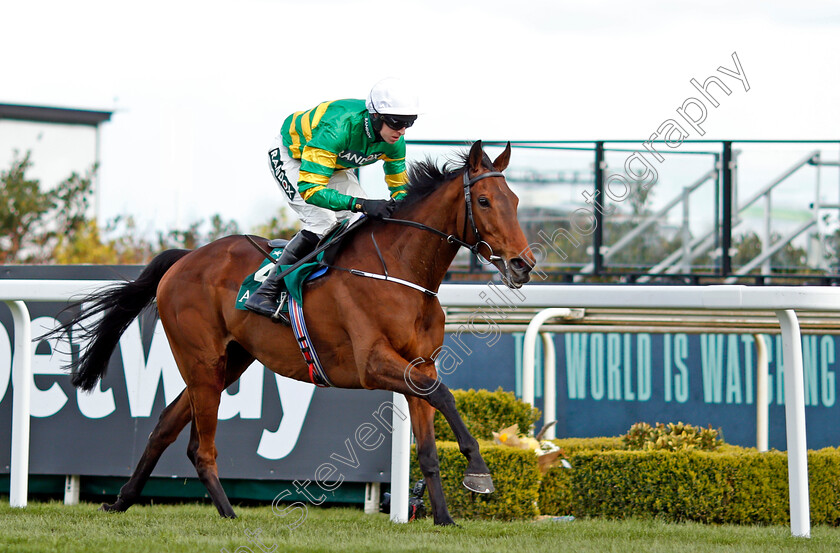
(702, 184)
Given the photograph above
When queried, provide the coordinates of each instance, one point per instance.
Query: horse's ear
(501, 162)
(476, 156)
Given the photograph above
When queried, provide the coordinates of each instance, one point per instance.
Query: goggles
(398, 122)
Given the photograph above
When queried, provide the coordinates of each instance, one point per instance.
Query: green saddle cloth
(293, 281)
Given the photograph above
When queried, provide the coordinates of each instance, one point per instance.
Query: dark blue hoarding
(608, 381)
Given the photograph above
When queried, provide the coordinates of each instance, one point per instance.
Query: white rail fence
(784, 301)
(530, 371)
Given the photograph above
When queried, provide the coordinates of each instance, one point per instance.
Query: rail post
(400, 454)
(797, 450)
(21, 381)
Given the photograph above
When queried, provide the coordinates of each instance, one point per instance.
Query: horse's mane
(424, 177)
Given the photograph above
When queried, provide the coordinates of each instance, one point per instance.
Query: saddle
(294, 282)
(305, 272)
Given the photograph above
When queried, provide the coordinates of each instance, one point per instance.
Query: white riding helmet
(392, 96)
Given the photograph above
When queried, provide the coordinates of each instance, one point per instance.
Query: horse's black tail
(113, 308)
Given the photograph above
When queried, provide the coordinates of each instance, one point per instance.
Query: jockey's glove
(375, 209)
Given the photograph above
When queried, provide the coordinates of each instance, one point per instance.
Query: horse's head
(491, 214)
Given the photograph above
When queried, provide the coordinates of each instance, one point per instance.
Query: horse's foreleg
(172, 420)
(420, 381)
(422, 423)
(477, 476)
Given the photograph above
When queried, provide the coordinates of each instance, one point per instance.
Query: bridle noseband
(451, 238)
(468, 182)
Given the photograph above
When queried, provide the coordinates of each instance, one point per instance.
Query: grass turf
(54, 527)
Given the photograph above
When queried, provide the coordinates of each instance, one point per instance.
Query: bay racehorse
(367, 332)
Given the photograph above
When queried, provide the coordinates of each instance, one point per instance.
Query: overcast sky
(200, 88)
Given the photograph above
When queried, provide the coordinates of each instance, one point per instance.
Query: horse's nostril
(518, 264)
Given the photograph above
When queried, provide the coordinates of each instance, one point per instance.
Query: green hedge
(515, 475)
(731, 485)
(671, 437)
(571, 446)
(734, 486)
(823, 483)
(485, 412)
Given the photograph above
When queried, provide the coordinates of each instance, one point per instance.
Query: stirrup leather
(278, 312)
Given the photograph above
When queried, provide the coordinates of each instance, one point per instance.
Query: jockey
(313, 162)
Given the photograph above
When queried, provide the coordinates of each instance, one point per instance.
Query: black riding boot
(264, 300)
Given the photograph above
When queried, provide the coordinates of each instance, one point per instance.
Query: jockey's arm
(317, 166)
(395, 177)
(322, 196)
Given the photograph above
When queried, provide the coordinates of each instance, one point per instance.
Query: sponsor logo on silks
(359, 158)
(368, 130)
(280, 174)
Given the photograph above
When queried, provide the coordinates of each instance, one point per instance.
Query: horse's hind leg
(238, 360)
(205, 402)
(422, 423)
(208, 367)
(172, 420)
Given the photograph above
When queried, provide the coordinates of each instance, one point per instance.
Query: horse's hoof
(447, 522)
(479, 483)
(112, 508)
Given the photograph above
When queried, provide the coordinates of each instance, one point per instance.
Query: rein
(260, 249)
(451, 238)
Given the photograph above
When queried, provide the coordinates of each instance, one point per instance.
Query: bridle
(451, 238)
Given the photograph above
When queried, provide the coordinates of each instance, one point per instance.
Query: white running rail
(779, 299)
(782, 300)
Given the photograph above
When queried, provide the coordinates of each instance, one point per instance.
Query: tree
(33, 221)
(87, 246)
(789, 258)
(22, 206)
(279, 226)
(219, 228)
(192, 237)
(649, 247)
(53, 226)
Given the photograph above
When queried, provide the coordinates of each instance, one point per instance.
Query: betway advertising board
(270, 427)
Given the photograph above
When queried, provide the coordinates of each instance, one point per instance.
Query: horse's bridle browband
(451, 238)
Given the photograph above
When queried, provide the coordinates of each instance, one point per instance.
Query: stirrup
(278, 316)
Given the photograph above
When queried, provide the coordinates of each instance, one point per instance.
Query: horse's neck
(421, 253)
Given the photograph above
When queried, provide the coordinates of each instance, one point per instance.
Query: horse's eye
(483, 201)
